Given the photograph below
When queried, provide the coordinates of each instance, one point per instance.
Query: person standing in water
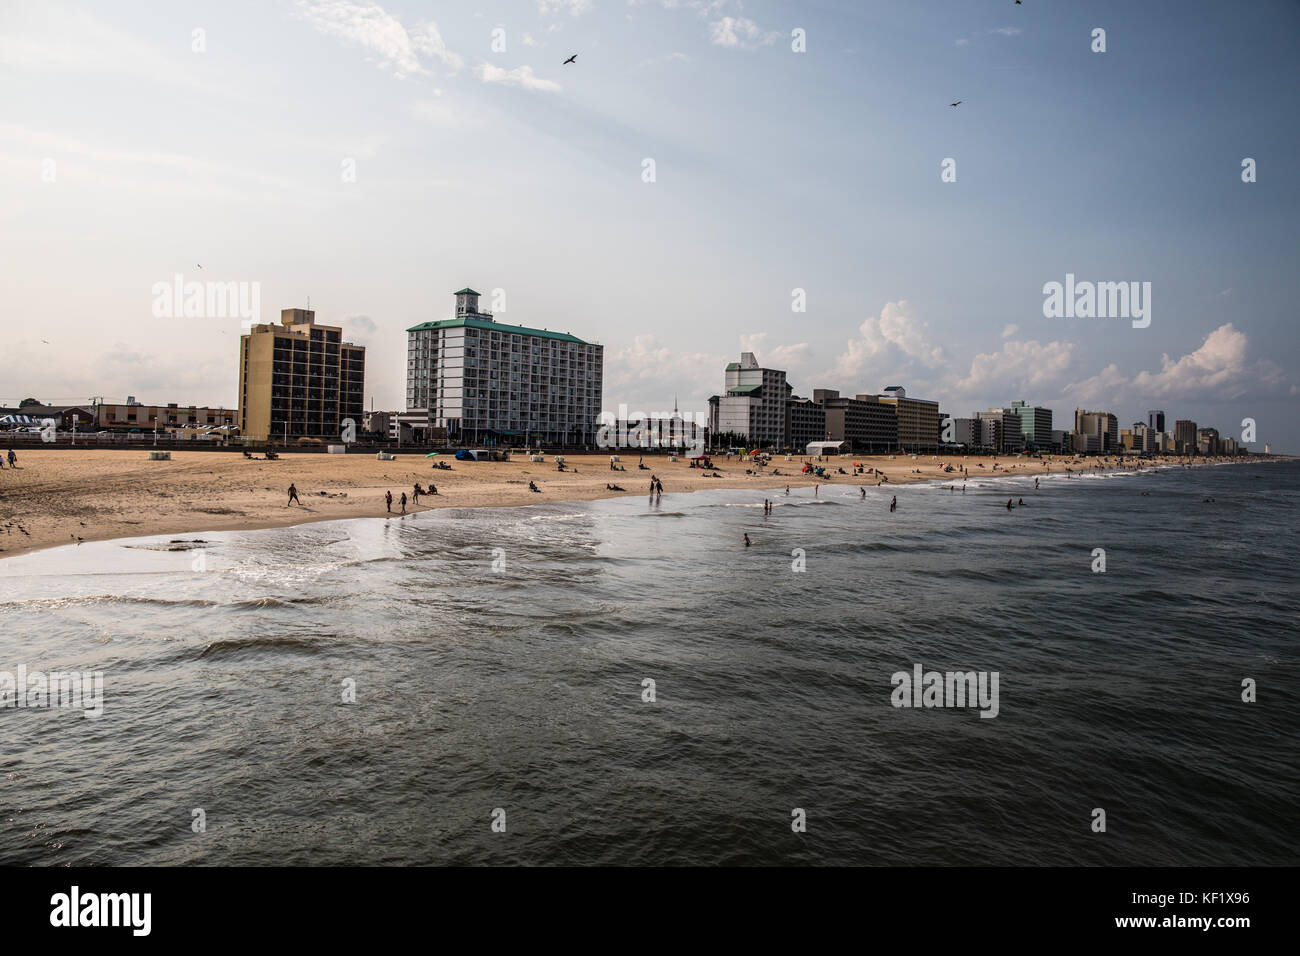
(1035, 484)
(403, 502)
(388, 500)
(1009, 504)
(893, 502)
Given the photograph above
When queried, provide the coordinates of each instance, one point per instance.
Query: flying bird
(199, 264)
(46, 341)
(569, 60)
(958, 103)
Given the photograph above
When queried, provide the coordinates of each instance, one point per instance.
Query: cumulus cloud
(778, 356)
(521, 76)
(1010, 330)
(739, 33)
(1219, 369)
(1006, 31)
(896, 331)
(1017, 367)
(648, 371)
(371, 26)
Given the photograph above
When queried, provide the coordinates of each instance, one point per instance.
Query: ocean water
(519, 688)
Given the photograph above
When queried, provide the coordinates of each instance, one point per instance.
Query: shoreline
(58, 498)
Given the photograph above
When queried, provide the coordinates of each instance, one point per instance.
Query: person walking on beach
(13, 459)
(293, 496)
(403, 502)
(415, 493)
(388, 500)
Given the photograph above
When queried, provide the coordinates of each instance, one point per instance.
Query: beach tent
(464, 455)
(826, 448)
(19, 420)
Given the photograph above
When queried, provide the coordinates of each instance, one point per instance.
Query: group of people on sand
(13, 459)
(388, 496)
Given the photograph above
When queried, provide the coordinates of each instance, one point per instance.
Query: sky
(702, 170)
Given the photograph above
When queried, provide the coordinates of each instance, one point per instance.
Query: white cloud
(960, 41)
(1006, 31)
(1218, 369)
(646, 371)
(739, 33)
(1010, 330)
(521, 76)
(372, 27)
(895, 331)
(778, 356)
(1017, 367)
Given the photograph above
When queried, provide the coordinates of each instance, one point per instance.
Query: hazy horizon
(374, 158)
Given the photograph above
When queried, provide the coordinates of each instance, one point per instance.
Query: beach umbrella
(432, 453)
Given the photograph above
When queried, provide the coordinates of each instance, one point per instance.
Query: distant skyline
(377, 157)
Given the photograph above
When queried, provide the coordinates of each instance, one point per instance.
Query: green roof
(743, 389)
(733, 366)
(465, 290)
(490, 326)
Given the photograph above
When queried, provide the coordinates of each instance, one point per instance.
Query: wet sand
(58, 497)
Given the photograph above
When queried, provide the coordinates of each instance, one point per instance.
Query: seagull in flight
(958, 103)
(569, 60)
(199, 264)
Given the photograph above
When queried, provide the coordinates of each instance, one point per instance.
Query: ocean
(498, 659)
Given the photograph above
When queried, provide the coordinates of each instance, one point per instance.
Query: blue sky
(774, 170)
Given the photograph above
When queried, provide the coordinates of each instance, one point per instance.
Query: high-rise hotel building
(483, 381)
(299, 379)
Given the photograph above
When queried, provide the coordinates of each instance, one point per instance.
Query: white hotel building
(487, 382)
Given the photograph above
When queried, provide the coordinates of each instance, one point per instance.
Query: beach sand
(58, 497)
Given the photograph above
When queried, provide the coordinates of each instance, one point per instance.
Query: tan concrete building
(918, 419)
(299, 379)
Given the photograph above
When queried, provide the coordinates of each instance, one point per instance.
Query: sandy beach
(57, 497)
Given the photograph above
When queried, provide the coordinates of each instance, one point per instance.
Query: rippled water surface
(521, 688)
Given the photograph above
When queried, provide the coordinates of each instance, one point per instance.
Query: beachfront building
(1156, 420)
(485, 382)
(1035, 425)
(1095, 433)
(805, 421)
(1185, 436)
(965, 432)
(299, 379)
(138, 417)
(918, 419)
(1000, 430)
(1207, 441)
(753, 403)
(868, 424)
